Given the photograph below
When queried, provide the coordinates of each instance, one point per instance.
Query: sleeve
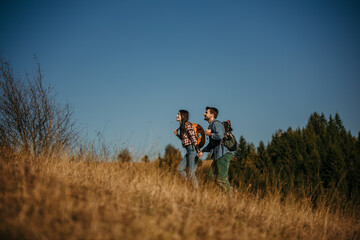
(207, 148)
(178, 134)
(218, 132)
(191, 133)
(216, 136)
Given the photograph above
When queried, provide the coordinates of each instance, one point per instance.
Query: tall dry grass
(60, 198)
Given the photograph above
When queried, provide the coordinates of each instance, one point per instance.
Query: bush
(30, 119)
(124, 156)
(172, 158)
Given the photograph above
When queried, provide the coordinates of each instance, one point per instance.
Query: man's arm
(210, 144)
(207, 148)
(218, 132)
(215, 136)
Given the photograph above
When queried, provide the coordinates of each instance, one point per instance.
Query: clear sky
(127, 67)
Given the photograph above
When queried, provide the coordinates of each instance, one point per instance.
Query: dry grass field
(62, 197)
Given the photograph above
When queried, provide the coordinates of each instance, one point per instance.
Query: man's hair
(213, 111)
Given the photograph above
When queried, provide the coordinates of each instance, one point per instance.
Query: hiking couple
(221, 155)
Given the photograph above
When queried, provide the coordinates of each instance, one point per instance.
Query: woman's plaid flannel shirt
(189, 137)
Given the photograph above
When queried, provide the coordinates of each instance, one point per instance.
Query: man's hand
(199, 154)
(208, 132)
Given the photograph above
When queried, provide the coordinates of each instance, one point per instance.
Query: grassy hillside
(63, 198)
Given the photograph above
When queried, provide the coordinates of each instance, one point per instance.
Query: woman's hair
(184, 118)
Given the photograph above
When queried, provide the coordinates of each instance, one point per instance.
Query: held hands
(199, 153)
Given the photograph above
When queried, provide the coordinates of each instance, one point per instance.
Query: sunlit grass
(65, 197)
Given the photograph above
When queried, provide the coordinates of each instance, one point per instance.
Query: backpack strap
(196, 146)
(220, 144)
(187, 129)
(212, 123)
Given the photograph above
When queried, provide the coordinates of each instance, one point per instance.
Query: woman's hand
(176, 132)
(199, 154)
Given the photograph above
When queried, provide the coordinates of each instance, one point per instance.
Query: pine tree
(236, 168)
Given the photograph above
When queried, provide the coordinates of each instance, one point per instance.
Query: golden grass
(56, 198)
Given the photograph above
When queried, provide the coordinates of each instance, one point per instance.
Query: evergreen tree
(236, 166)
(320, 158)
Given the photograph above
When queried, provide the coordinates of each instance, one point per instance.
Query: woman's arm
(176, 132)
(191, 133)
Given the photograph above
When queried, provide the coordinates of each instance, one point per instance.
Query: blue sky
(127, 67)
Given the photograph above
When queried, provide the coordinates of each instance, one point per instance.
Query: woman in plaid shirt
(189, 142)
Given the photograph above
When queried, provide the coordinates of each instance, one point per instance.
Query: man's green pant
(219, 171)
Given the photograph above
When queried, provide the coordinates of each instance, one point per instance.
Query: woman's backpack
(200, 134)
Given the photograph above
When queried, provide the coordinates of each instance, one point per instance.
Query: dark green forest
(320, 160)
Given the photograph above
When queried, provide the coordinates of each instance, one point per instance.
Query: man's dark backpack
(229, 139)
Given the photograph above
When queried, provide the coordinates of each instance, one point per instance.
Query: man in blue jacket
(220, 166)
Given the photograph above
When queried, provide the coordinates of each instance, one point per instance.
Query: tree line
(321, 159)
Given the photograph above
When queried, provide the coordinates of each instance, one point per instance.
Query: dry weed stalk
(60, 198)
